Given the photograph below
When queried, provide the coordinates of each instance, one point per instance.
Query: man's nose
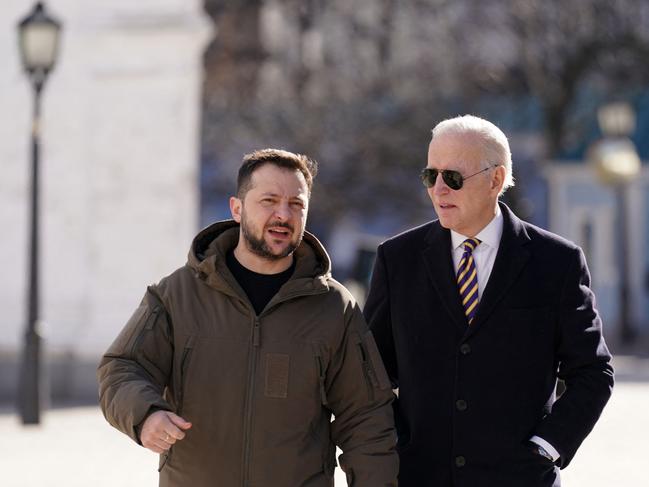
(440, 186)
(283, 211)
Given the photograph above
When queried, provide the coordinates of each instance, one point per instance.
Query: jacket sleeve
(135, 369)
(360, 397)
(377, 314)
(583, 365)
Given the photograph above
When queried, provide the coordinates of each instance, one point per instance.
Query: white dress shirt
(484, 256)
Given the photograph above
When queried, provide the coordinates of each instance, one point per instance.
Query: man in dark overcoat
(477, 315)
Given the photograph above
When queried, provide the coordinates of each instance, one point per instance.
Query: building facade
(119, 172)
(585, 211)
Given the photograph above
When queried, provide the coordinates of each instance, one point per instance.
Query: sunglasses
(452, 179)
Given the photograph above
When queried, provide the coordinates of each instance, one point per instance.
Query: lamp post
(616, 162)
(38, 36)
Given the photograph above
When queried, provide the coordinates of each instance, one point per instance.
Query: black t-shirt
(260, 288)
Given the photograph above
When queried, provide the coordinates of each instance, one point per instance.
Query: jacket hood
(210, 246)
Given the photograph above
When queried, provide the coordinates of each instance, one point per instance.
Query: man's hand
(162, 429)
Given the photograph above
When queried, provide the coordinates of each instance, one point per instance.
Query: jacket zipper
(321, 379)
(368, 371)
(150, 321)
(247, 427)
(252, 370)
(184, 362)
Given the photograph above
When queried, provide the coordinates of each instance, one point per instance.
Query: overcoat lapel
(510, 261)
(439, 266)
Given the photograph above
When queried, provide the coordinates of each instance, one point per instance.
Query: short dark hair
(278, 157)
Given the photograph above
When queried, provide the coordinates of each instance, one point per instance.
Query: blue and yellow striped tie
(467, 279)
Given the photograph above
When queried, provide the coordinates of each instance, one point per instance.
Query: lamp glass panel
(39, 46)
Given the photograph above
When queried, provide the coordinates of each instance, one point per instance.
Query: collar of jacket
(511, 224)
(209, 248)
(510, 260)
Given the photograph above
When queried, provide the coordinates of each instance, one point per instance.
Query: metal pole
(627, 332)
(30, 387)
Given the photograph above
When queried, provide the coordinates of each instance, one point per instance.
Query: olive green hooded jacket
(259, 390)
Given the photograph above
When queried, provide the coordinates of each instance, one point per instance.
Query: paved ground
(74, 447)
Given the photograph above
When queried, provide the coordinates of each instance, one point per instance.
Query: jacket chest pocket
(291, 385)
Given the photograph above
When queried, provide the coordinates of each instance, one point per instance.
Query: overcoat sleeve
(583, 365)
(377, 314)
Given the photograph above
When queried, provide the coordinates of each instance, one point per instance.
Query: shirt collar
(489, 235)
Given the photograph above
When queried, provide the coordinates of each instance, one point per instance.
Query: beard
(257, 244)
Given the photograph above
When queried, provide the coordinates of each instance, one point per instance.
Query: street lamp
(616, 162)
(38, 36)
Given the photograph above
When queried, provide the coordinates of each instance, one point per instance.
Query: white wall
(120, 161)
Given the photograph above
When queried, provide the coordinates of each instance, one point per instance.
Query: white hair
(495, 145)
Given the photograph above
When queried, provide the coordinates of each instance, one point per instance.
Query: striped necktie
(467, 279)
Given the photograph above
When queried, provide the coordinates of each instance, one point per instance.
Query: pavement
(75, 447)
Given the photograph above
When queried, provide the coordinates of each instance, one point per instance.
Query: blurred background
(138, 127)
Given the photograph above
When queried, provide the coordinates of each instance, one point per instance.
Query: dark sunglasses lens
(428, 177)
(453, 179)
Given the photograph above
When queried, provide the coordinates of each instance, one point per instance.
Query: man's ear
(498, 179)
(235, 208)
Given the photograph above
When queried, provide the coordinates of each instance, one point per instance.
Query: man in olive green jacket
(232, 366)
